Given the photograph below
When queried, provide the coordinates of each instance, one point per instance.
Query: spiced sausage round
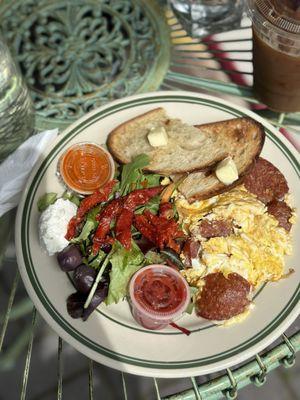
(223, 297)
(215, 228)
(266, 181)
(282, 212)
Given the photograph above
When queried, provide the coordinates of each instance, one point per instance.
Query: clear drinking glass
(276, 52)
(203, 17)
(16, 110)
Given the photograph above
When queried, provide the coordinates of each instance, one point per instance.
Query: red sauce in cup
(158, 295)
(85, 167)
(159, 291)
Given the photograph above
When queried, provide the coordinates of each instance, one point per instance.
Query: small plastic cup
(159, 295)
(85, 167)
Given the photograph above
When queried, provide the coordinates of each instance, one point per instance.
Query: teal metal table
(77, 55)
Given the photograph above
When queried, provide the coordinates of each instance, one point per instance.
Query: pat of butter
(226, 171)
(158, 136)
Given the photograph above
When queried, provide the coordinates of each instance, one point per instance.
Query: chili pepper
(86, 205)
(123, 228)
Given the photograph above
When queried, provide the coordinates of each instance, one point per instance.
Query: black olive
(84, 277)
(99, 296)
(75, 303)
(106, 247)
(69, 258)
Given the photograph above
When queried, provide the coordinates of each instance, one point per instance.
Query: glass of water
(16, 109)
(203, 17)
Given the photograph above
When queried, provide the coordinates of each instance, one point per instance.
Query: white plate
(111, 336)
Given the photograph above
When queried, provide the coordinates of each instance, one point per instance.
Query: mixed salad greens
(128, 224)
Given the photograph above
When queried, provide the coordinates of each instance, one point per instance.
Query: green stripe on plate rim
(210, 326)
(203, 328)
(44, 299)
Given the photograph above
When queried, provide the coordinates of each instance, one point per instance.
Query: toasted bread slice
(200, 185)
(189, 148)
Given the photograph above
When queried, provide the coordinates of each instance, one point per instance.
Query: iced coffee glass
(276, 52)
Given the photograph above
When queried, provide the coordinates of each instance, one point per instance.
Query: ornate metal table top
(78, 54)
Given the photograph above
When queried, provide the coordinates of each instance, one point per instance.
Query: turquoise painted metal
(254, 371)
(77, 55)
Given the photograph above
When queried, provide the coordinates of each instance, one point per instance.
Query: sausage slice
(266, 181)
(282, 212)
(223, 297)
(215, 228)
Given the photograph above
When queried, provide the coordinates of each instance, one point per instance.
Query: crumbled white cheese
(53, 225)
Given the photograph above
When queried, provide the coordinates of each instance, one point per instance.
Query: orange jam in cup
(85, 167)
(158, 294)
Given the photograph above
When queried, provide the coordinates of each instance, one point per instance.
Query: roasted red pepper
(140, 197)
(167, 231)
(102, 242)
(166, 210)
(86, 205)
(120, 209)
(123, 228)
(144, 226)
(105, 218)
(97, 197)
(134, 199)
(160, 230)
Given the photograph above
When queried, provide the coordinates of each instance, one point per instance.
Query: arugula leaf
(124, 263)
(152, 179)
(96, 261)
(131, 172)
(90, 224)
(45, 201)
(72, 197)
(152, 206)
(193, 292)
(152, 257)
(82, 248)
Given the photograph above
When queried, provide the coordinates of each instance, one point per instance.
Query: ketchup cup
(159, 295)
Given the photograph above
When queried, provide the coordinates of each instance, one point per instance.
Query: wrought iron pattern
(77, 55)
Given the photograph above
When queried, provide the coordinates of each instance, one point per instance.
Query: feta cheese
(53, 225)
(158, 137)
(226, 171)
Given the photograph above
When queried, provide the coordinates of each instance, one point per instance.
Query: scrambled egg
(256, 247)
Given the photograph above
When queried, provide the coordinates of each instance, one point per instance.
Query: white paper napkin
(15, 170)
